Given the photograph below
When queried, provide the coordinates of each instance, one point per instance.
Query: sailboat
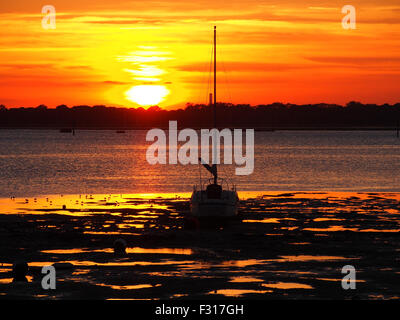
(214, 197)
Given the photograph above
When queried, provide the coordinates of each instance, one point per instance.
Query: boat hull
(201, 206)
(213, 210)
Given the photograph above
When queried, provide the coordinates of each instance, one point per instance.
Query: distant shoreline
(276, 116)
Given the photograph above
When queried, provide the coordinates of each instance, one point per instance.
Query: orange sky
(126, 53)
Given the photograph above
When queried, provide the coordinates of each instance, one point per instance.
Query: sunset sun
(147, 95)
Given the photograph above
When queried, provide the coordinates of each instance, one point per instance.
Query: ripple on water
(237, 292)
(304, 258)
(286, 285)
(175, 251)
(245, 279)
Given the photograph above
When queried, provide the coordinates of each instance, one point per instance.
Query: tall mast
(215, 76)
(215, 107)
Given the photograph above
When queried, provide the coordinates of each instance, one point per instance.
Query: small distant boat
(214, 198)
(66, 130)
(120, 131)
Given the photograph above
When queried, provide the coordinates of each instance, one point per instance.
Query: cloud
(233, 66)
(128, 21)
(27, 66)
(79, 67)
(355, 60)
(116, 82)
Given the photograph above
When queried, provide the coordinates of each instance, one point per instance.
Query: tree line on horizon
(272, 116)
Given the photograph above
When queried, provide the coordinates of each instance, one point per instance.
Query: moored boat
(215, 197)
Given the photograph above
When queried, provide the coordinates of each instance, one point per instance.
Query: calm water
(40, 162)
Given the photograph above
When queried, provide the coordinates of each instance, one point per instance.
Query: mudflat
(281, 246)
